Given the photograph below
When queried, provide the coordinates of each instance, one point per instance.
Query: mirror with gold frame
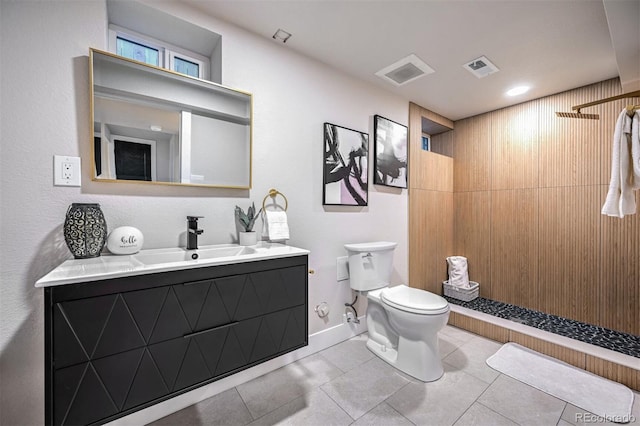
(155, 125)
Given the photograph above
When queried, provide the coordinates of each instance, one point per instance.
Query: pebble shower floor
(624, 343)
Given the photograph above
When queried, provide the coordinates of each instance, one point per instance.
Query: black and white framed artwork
(345, 166)
(390, 152)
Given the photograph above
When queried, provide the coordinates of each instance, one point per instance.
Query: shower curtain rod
(602, 101)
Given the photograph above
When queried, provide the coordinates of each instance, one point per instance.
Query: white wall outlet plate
(66, 170)
(342, 266)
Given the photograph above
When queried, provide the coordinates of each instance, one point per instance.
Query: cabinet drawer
(88, 392)
(93, 390)
(236, 298)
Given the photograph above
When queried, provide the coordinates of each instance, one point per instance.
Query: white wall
(44, 111)
(219, 151)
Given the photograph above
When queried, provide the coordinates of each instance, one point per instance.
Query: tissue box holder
(464, 294)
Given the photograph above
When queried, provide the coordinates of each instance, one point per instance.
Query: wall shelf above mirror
(155, 125)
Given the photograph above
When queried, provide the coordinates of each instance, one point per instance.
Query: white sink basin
(162, 256)
(162, 260)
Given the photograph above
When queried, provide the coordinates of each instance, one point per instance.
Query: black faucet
(193, 232)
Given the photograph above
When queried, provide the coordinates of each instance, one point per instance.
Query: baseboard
(317, 342)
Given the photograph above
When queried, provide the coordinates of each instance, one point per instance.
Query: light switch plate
(66, 170)
(342, 266)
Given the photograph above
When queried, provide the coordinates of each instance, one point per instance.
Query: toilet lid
(414, 300)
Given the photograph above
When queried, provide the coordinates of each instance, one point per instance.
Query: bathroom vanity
(125, 332)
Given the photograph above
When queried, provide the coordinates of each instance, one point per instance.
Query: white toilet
(403, 322)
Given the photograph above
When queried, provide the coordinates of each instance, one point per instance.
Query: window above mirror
(141, 52)
(141, 32)
(158, 53)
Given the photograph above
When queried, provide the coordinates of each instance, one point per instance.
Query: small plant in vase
(248, 237)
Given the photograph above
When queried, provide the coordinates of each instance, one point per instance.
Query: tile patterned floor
(347, 385)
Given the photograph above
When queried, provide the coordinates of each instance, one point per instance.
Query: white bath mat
(592, 393)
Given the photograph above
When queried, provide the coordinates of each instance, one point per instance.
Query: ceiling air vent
(481, 67)
(405, 70)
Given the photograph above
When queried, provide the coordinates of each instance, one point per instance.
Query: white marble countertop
(162, 260)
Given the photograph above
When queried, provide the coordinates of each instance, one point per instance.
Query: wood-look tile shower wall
(528, 188)
(430, 208)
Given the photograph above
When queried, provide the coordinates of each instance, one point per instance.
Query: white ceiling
(551, 45)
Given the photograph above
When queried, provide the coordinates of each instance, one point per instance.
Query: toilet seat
(414, 300)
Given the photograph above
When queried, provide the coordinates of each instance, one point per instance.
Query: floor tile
(441, 402)
(226, 408)
(479, 415)
(364, 387)
(383, 415)
(347, 382)
(577, 416)
(457, 333)
(266, 393)
(522, 403)
(471, 358)
(447, 344)
(349, 354)
(311, 409)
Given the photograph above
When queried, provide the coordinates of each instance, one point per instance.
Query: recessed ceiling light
(281, 35)
(519, 90)
(155, 128)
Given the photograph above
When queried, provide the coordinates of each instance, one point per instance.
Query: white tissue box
(464, 294)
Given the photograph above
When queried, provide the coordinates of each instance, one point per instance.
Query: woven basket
(464, 294)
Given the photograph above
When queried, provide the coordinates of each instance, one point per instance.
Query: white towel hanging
(277, 226)
(625, 167)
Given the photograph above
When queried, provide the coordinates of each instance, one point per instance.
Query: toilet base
(384, 352)
(414, 358)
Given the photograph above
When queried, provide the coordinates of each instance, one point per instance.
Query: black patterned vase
(85, 230)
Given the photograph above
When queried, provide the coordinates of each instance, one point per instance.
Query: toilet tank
(370, 264)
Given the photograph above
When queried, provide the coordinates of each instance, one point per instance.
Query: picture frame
(391, 163)
(346, 166)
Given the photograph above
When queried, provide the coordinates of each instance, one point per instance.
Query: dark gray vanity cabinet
(115, 346)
